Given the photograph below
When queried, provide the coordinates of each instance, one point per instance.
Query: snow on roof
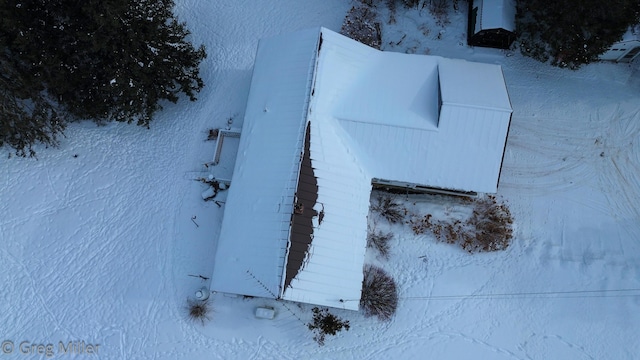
(416, 119)
(497, 14)
(471, 84)
(332, 274)
(255, 227)
(366, 85)
(389, 104)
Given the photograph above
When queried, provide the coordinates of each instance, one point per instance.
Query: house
(625, 50)
(491, 23)
(326, 119)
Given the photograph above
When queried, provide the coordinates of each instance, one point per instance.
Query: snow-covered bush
(379, 241)
(361, 25)
(325, 323)
(379, 293)
(389, 209)
(198, 310)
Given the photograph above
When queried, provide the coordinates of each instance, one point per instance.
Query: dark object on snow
(389, 209)
(198, 311)
(325, 323)
(379, 293)
(492, 23)
(571, 33)
(361, 25)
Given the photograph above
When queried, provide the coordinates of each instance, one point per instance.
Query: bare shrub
(420, 225)
(379, 293)
(389, 209)
(440, 11)
(488, 229)
(360, 24)
(379, 241)
(198, 311)
(493, 226)
(325, 323)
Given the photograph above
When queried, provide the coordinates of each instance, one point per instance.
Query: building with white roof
(492, 23)
(626, 49)
(326, 119)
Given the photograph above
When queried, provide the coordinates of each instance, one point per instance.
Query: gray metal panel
(250, 252)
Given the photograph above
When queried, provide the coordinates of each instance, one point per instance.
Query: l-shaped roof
(325, 107)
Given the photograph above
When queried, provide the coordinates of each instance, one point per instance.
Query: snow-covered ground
(104, 239)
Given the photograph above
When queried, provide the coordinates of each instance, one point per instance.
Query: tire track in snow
(548, 156)
(620, 168)
(540, 148)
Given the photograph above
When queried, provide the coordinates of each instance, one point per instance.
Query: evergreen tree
(98, 59)
(27, 116)
(572, 32)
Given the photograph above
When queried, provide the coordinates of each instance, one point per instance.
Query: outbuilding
(625, 50)
(492, 23)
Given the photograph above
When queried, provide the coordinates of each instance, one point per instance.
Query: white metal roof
(371, 114)
(388, 106)
(332, 273)
(630, 40)
(389, 88)
(255, 226)
(472, 84)
(496, 14)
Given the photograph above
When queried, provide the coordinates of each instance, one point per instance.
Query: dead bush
(379, 241)
(420, 225)
(198, 310)
(361, 25)
(440, 11)
(488, 229)
(493, 226)
(325, 323)
(389, 209)
(379, 293)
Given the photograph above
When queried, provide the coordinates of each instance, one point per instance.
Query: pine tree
(572, 32)
(28, 116)
(98, 59)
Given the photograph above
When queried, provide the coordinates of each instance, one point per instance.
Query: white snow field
(104, 239)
